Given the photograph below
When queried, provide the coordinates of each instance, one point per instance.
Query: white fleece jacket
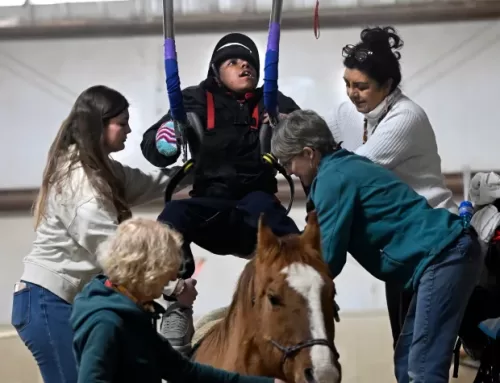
(63, 258)
(403, 142)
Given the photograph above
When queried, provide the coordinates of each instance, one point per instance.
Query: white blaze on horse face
(308, 283)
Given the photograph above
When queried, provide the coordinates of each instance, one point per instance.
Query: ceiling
(83, 18)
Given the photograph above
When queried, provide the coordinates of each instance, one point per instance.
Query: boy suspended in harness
(232, 185)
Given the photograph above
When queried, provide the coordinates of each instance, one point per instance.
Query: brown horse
(280, 322)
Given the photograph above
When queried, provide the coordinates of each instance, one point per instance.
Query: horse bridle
(291, 351)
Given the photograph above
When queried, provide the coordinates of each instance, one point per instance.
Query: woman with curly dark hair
(381, 123)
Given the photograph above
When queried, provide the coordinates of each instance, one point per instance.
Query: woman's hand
(279, 381)
(188, 294)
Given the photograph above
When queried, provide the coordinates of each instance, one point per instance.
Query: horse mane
(241, 303)
(243, 295)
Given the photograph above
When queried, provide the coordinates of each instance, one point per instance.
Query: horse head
(281, 319)
(293, 306)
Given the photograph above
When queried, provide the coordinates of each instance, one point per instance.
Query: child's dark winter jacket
(229, 163)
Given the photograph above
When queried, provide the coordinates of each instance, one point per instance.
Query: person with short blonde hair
(113, 317)
(138, 255)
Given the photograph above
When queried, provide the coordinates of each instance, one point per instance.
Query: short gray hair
(299, 129)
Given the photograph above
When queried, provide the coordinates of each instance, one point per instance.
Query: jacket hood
(235, 45)
(96, 296)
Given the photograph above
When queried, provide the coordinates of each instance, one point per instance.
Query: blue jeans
(425, 347)
(41, 319)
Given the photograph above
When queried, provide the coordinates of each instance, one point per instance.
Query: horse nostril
(308, 374)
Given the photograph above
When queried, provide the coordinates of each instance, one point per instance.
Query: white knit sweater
(403, 141)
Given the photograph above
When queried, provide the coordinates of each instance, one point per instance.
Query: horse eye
(275, 301)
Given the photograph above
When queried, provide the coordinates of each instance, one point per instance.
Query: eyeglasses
(360, 54)
(286, 162)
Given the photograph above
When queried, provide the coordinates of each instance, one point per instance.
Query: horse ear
(312, 235)
(266, 239)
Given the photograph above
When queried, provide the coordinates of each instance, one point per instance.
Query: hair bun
(382, 39)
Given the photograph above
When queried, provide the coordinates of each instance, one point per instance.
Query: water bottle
(466, 211)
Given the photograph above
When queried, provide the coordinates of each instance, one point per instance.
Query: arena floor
(364, 342)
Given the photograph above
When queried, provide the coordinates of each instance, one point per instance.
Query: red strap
(316, 20)
(255, 116)
(211, 113)
(496, 236)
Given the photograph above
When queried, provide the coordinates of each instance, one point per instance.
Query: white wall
(357, 290)
(450, 69)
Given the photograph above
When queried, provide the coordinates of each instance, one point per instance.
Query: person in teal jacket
(115, 340)
(366, 210)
